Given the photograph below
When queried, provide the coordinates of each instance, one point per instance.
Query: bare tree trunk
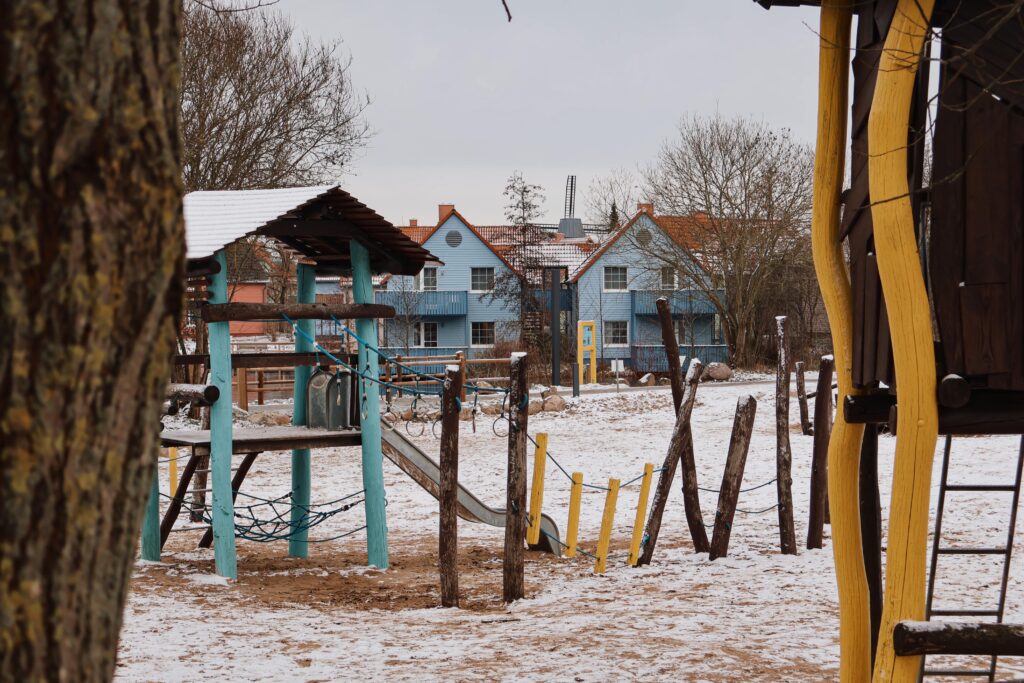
(783, 452)
(92, 259)
(448, 496)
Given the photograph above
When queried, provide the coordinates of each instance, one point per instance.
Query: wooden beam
(868, 408)
(203, 394)
(239, 311)
(267, 359)
(819, 457)
(961, 638)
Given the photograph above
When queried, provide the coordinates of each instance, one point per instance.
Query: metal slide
(425, 471)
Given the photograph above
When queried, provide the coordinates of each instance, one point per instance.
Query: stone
(536, 405)
(664, 381)
(407, 414)
(554, 403)
(647, 380)
(270, 418)
(483, 384)
(550, 391)
(720, 372)
(491, 409)
(466, 414)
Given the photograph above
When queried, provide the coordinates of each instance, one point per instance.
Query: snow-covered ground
(754, 615)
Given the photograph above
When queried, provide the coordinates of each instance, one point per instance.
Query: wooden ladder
(938, 549)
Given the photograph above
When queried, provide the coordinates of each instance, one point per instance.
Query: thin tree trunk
(513, 577)
(91, 287)
(783, 453)
(448, 497)
(676, 447)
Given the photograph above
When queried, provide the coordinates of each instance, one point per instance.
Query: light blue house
(448, 307)
(618, 285)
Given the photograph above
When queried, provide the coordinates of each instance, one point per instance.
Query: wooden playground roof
(317, 222)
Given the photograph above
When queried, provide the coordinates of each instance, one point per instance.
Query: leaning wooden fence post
(573, 527)
(819, 461)
(515, 496)
(448, 536)
(739, 444)
(783, 451)
(801, 397)
(678, 448)
(641, 512)
(671, 344)
(537, 489)
(607, 520)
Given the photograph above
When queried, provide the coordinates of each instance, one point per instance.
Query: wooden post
(819, 461)
(732, 479)
(678, 448)
(373, 458)
(671, 344)
(783, 452)
(151, 522)
(515, 497)
(801, 397)
(259, 387)
(641, 513)
(607, 520)
(537, 489)
(448, 496)
(298, 545)
(573, 527)
(462, 368)
(172, 470)
(871, 527)
(242, 380)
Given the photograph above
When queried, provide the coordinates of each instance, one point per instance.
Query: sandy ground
(754, 615)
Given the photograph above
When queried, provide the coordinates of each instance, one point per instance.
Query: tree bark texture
(819, 460)
(448, 497)
(513, 571)
(677, 445)
(91, 272)
(671, 344)
(783, 451)
(732, 479)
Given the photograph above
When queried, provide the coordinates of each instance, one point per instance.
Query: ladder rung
(964, 613)
(972, 551)
(980, 487)
(957, 672)
(189, 528)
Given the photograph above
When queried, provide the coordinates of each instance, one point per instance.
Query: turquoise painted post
(298, 545)
(373, 458)
(220, 431)
(151, 524)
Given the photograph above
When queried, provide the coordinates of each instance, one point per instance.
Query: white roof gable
(217, 218)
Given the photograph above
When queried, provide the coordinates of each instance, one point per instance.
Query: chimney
(413, 223)
(647, 208)
(444, 210)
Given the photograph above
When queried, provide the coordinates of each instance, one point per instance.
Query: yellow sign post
(586, 342)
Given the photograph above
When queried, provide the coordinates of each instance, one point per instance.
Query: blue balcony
(542, 297)
(684, 302)
(652, 358)
(424, 304)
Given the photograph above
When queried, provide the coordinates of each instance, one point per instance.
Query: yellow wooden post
(537, 489)
(607, 519)
(573, 527)
(834, 280)
(641, 515)
(173, 470)
(910, 323)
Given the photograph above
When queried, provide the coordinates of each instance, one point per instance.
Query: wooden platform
(265, 438)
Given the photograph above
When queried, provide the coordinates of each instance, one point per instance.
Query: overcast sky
(461, 98)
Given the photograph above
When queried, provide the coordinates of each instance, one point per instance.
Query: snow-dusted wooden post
(677, 448)
(671, 344)
(448, 496)
(801, 397)
(783, 452)
(298, 545)
(369, 395)
(732, 479)
(222, 506)
(512, 571)
(819, 460)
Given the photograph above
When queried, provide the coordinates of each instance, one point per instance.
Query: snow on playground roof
(215, 219)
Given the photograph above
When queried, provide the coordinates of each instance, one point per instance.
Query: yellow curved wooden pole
(910, 323)
(834, 279)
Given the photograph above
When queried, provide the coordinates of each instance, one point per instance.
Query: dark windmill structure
(927, 313)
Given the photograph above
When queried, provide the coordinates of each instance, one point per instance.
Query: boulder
(491, 409)
(720, 372)
(407, 414)
(554, 403)
(466, 413)
(647, 380)
(664, 381)
(270, 419)
(483, 384)
(550, 391)
(536, 405)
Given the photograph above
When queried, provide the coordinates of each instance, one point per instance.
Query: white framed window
(481, 334)
(428, 279)
(615, 279)
(481, 279)
(716, 333)
(425, 335)
(616, 333)
(669, 281)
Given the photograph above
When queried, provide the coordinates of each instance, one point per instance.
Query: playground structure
(882, 310)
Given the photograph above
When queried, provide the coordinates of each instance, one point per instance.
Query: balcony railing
(542, 298)
(684, 302)
(424, 304)
(652, 358)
